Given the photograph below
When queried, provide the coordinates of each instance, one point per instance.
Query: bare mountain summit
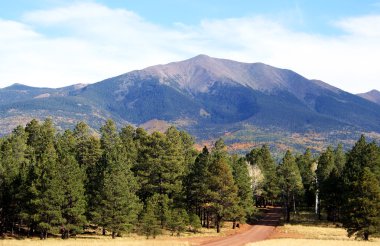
(373, 96)
(210, 97)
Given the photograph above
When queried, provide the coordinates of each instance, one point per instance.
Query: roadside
(250, 233)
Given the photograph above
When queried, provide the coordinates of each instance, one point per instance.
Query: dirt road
(261, 231)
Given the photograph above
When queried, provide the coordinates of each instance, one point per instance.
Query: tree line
(342, 187)
(128, 180)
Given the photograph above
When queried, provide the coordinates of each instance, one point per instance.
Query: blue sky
(56, 43)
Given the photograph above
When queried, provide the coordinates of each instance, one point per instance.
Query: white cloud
(87, 42)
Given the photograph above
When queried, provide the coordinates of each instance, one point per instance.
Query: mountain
(247, 103)
(373, 96)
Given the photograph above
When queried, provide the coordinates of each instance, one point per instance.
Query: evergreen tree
(44, 192)
(245, 194)
(119, 205)
(150, 223)
(307, 165)
(264, 161)
(13, 170)
(361, 197)
(72, 178)
(178, 221)
(88, 153)
(195, 222)
(222, 190)
(196, 183)
(290, 182)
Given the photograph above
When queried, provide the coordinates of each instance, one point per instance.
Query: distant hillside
(373, 96)
(247, 103)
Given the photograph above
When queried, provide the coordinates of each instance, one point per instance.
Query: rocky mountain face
(207, 96)
(373, 96)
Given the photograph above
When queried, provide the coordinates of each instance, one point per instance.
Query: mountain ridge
(209, 97)
(372, 95)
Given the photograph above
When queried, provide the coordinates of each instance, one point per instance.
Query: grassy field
(305, 230)
(187, 238)
(92, 242)
(312, 242)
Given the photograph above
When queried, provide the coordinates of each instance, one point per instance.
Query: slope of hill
(207, 96)
(373, 96)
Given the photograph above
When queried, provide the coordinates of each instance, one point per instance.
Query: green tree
(222, 191)
(150, 223)
(197, 185)
(88, 153)
(119, 205)
(361, 196)
(195, 222)
(263, 159)
(178, 221)
(245, 194)
(45, 193)
(307, 165)
(72, 177)
(290, 182)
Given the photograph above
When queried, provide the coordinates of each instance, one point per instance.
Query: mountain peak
(373, 96)
(17, 86)
(200, 73)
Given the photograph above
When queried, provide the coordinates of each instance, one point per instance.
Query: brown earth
(250, 233)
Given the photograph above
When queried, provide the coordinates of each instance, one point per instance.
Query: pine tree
(245, 194)
(119, 206)
(178, 221)
(45, 193)
(88, 153)
(307, 165)
(361, 196)
(150, 223)
(269, 188)
(195, 222)
(222, 191)
(196, 183)
(290, 182)
(72, 178)
(13, 170)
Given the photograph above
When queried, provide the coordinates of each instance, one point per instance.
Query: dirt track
(260, 231)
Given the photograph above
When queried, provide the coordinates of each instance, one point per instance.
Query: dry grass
(93, 242)
(165, 239)
(312, 242)
(315, 232)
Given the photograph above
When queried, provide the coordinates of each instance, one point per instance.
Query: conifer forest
(128, 180)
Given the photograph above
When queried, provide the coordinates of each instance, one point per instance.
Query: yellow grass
(92, 242)
(128, 240)
(312, 242)
(308, 235)
(316, 232)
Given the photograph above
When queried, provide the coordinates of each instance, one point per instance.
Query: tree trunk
(113, 235)
(294, 205)
(217, 224)
(287, 211)
(366, 236)
(207, 221)
(204, 218)
(234, 224)
(104, 231)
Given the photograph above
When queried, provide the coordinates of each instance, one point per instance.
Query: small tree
(290, 181)
(150, 223)
(178, 221)
(195, 222)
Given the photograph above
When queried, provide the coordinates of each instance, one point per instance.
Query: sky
(55, 43)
